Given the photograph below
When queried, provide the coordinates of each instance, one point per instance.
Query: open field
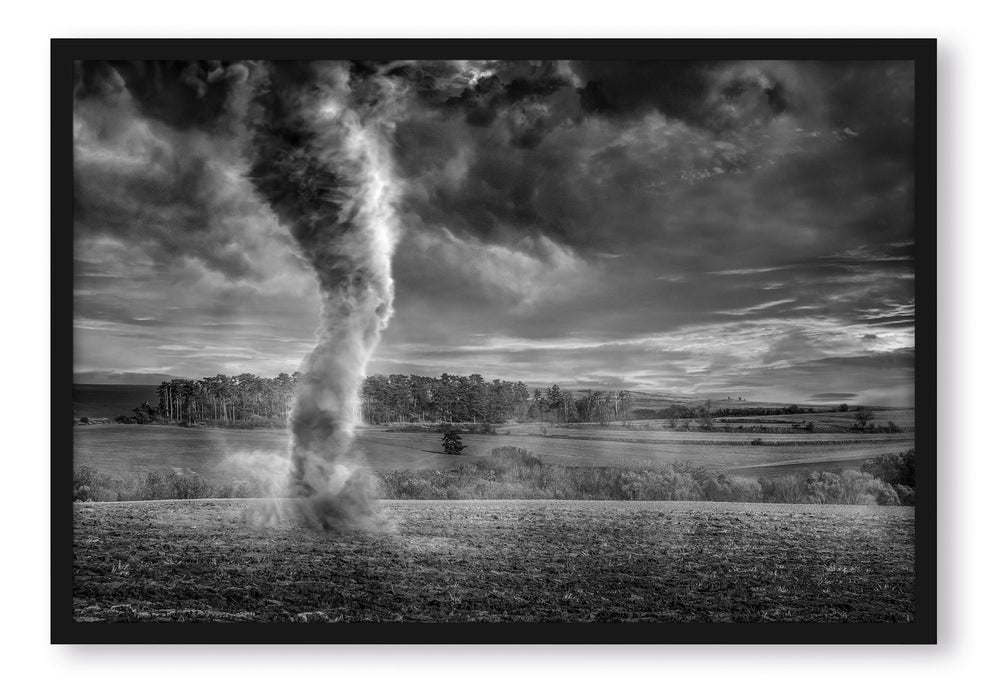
(125, 450)
(462, 561)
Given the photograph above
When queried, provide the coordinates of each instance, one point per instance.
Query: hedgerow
(514, 473)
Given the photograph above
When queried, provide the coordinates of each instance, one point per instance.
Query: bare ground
(498, 561)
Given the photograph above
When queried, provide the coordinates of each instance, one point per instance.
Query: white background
(33, 668)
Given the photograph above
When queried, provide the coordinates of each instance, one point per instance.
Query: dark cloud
(160, 185)
(676, 88)
(786, 183)
(181, 94)
(716, 95)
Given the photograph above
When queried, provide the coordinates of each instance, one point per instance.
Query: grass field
(463, 561)
(126, 450)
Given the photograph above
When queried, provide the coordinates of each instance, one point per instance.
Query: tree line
(395, 398)
(244, 398)
(449, 398)
(249, 400)
(452, 398)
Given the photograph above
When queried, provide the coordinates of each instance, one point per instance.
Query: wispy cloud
(749, 310)
(747, 271)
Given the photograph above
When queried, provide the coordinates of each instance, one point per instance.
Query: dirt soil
(497, 561)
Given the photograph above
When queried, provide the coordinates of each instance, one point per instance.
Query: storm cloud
(706, 227)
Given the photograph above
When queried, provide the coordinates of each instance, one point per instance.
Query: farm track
(469, 561)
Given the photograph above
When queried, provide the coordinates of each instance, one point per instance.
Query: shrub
(188, 486)
(723, 487)
(162, 485)
(851, 487)
(823, 487)
(91, 485)
(85, 484)
(684, 488)
(756, 441)
(250, 487)
(859, 488)
(655, 485)
(886, 495)
(894, 469)
(407, 485)
(515, 456)
(156, 487)
(905, 494)
(783, 489)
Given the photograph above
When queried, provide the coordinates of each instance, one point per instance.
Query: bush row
(510, 472)
(514, 473)
(91, 485)
(665, 484)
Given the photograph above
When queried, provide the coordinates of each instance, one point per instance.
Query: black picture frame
(922, 631)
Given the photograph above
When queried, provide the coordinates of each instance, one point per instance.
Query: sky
(704, 228)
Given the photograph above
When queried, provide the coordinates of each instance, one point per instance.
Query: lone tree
(863, 418)
(451, 441)
(705, 419)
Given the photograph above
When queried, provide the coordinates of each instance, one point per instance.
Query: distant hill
(660, 400)
(110, 400)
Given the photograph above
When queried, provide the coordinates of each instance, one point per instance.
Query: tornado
(321, 159)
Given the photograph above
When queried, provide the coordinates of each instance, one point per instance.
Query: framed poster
(493, 341)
